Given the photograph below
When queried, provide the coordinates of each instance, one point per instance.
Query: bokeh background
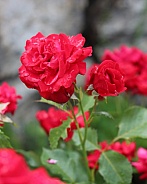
(104, 24)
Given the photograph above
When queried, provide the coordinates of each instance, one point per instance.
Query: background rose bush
(91, 132)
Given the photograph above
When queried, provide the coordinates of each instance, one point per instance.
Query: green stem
(81, 141)
(94, 108)
(85, 121)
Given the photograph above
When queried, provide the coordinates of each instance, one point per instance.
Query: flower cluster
(8, 94)
(50, 64)
(126, 149)
(54, 118)
(14, 169)
(133, 63)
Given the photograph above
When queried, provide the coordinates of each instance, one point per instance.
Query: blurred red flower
(51, 118)
(14, 170)
(54, 117)
(126, 149)
(141, 164)
(8, 94)
(133, 63)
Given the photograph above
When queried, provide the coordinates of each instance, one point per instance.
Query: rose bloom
(141, 164)
(106, 79)
(51, 118)
(133, 63)
(88, 78)
(126, 149)
(14, 170)
(50, 64)
(8, 94)
(54, 118)
(94, 156)
(142, 83)
(40, 176)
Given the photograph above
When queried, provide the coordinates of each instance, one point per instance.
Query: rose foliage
(95, 135)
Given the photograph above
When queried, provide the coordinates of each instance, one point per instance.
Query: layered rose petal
(51, 64)
(106, 79)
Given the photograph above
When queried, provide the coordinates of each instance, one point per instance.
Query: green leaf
(103, 113)
(4, 141)
(84, 182)
(87, 102)
(99, 178)
(69, 166)
(31, 158)
(115, 168)
(133, 124)
(91, 141)
(81, 172)
(56, 133)
(59, 106)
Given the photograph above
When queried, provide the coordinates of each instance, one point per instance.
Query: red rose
(51, 118)
(54, 117)
(133, 63)
(141, 163)
(93, 159)
(14, 170)
(141, 83)
(94, 156)
(50, 64)
(107, 79)
(8, 94)
(40, 176)
(126, 149)
(89, 78)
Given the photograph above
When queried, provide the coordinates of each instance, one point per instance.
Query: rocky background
(104, 24)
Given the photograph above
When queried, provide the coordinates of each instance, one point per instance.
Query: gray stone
(125, 24)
